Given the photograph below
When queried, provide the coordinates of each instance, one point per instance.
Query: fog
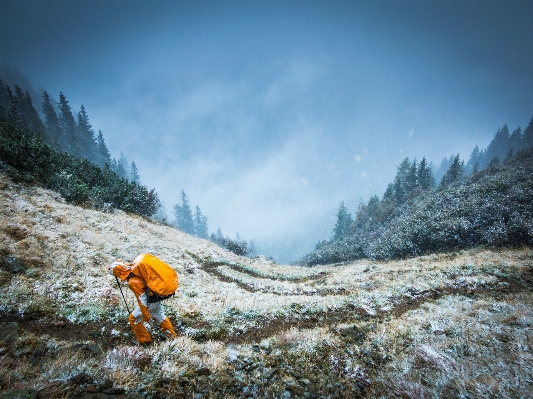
(269, 114)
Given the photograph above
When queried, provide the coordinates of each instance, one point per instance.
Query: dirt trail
(100, 333)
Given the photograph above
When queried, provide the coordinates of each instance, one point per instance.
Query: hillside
(448, 325)
(492, 208)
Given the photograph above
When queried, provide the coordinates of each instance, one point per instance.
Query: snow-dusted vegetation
(456, 324)
(491, 208)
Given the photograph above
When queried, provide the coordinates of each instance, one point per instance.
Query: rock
(353, 333)
(20, 394)
(163, 382)
(81, 378)
(203, 371)
(33, 360)
(52, 390)
(59, 323)
(270, 373)
(10, 264)
(91, 350)
(90, 389)
(114, 391)
(9, 332)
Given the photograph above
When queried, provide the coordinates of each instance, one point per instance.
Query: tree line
(62, 130)
(64, 154)
(196, 225)
(385, 228)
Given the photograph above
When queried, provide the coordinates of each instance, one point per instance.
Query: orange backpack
(160, 278)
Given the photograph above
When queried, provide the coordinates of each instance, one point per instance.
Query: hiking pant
(157, 313)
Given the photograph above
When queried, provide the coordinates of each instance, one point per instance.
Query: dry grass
(444, 325)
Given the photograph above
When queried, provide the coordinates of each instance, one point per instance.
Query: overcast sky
(269, 114)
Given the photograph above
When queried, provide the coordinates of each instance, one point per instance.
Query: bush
(28, 158)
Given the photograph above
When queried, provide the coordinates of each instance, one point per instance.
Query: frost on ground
(443, 325)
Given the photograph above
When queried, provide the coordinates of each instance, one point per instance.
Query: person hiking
(151, 280)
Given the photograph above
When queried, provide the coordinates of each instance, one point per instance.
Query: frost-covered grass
(432, 326)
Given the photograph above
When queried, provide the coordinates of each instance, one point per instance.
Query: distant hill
(491, 207)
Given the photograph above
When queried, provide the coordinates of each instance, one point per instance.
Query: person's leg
(137, 325)
(158, 314)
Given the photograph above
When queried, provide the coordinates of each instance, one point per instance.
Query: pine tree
(219, 236)
(425, 176)
(411, 180)
(251, 249)
(454, 173)
(103, 155)
(475, 157)
(134, 173)
(33, 120)
(68, 140)
(515, 140)
(117, 167)
(123, 161)
(4, 100)
(200, 224)
(85, 137)
(344, 222)
(183, 215)
(14, 111)
(400, 186)
(498, 147)
(527, 137)
(51, 123)
(389, 192)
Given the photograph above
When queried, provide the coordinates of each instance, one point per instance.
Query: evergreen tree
(527, 137)
(4, 100)
(200, 224)
(400, 181)
(515, 140)
(475, 157)
(219, 237)
(183, 215)
(454, 173)
(134, 173)
(425, 176)
(68, 140)
(51, 123)
(498, 147)
(103, 155)
(33, 120)
(14, 111)
(443, 168)
(389, 192)
(411, 180)
(344, 222)
(125, 165)
(251, 249)
(117, 167)
(85, 137)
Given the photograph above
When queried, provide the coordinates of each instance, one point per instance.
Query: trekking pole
(118, 283)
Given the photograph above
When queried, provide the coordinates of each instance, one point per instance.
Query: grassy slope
(453, 325)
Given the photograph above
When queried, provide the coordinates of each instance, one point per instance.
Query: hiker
(162, 283)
